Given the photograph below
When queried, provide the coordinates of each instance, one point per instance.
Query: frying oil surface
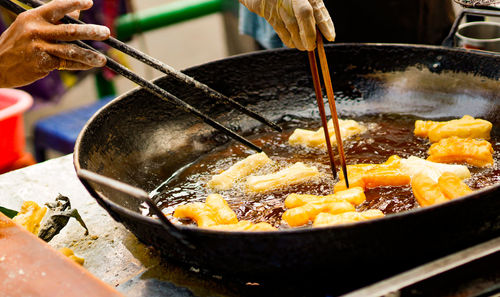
(386, 136)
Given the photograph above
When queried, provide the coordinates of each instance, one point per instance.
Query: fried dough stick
(30, 216)
(375, 175)
(414, 165)
(295, 174)
(216, 214)
(396, 172)
(214, 211)
(427, 192)
(240, 169)
(301, 215)
(327, 219)
(316, 139)
(353, 195)
(466, 127)
(456, 150)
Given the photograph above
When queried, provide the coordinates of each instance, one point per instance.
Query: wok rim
(289, 231)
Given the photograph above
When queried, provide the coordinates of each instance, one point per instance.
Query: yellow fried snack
(240, 169)
(455, 150)
(355, 174)
(326, 219)
(301, 215)
(466, 127)
(316, 139)
(221, 210)
(383, 177)
(426, 191)
(374, 175)
(198, 212)
(414, 165)
(244, 226)
(353, 195)
(295, 174)
(214, 211)
(30, 216)
(452, 186)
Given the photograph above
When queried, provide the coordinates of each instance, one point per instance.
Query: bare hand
(30, 48)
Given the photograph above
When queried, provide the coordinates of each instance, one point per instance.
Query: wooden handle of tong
(331, 102)
(321, 108)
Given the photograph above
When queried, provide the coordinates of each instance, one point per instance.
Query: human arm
(34, 44)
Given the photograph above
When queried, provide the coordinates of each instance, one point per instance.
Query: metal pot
(142, 140)
(479, 35)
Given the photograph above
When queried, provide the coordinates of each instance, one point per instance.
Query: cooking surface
(144, 144)
(387, 135)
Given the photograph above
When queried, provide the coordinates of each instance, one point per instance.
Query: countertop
(114, 254)
(111, 253)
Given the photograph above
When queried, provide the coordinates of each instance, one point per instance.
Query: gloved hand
(295, 20)
(30, 47)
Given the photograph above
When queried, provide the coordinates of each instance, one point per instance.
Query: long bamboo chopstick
(152, 88)
(331, 102)
(321, 106)
(162, 67)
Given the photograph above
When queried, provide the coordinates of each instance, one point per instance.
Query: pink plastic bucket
(13, 103)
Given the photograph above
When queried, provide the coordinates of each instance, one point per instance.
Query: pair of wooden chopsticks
(154, 89)
(331, 102)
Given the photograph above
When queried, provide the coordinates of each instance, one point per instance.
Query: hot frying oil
(387, 135)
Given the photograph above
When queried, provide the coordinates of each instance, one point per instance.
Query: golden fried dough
(452, 186)
(221, 210)
(240, 169)
(383, 177)
(214, 211)
(326, 219)
(428, 192)
(414, 165)
(301, 215)
(353, 195)
(374, 175)
(456, 150)
(30, 216)
(316, 139)
(198, 212)
(466, 127)
(295, 174)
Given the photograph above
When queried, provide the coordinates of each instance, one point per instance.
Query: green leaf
(8, 212)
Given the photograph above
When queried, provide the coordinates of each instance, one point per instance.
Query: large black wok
(141, 140)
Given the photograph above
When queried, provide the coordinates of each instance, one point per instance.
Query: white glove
(295, 20)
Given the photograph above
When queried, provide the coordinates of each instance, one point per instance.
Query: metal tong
(331, 103)
(153, 88)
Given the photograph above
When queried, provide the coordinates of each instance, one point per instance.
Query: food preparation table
(111, 253)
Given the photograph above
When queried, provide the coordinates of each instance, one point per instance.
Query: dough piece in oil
(316, 139)
(214, 211)
(458, 150)
(295, 174)
(240, 169)
(301, 215)
(353, 195)
(466, 127)
(326, 219)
